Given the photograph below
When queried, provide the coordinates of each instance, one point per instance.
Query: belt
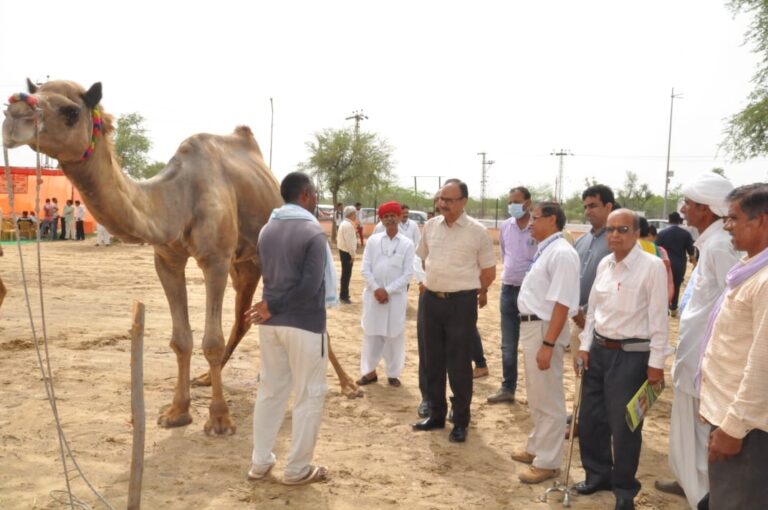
(619, 345)
(529, 318)
(449, 295)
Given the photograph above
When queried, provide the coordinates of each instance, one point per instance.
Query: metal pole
(672, 98)
(415, 189)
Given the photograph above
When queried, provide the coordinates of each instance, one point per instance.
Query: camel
(210, 203)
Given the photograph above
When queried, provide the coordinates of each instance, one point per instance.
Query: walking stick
(563, 487)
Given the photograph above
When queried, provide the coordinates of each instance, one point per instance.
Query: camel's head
(63, 114)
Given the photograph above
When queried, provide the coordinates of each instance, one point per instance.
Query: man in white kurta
(705, 205)
(549, 295)
(387, 269)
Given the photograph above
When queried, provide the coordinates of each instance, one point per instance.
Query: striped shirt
(734, 384)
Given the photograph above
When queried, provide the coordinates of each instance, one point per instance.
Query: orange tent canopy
(53, 184)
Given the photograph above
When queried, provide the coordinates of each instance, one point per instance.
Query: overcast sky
(440, 80)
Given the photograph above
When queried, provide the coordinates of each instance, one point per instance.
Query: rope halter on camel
(31, 100)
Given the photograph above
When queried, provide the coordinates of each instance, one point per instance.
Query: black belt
(619, 345)
(449, 295)
(529, 318)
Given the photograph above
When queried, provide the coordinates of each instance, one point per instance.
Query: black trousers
(741, 481)
(449, 326)
(346, 273)
(613, 378)
(678, 274)
(79, 230)
(422, 343)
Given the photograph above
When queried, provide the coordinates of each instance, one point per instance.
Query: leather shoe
(624, 504)
(586, 489)
(670, 487)
(429, 424)
(458, 435)
(423, 409)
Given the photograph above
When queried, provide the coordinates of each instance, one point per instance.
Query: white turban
(348, 210)
(709, 189)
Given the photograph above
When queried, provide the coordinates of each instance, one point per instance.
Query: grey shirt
(592, 248)
(292, 254)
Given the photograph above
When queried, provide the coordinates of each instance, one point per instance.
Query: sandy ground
(375, 460)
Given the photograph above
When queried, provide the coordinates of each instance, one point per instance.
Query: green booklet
(639, 405)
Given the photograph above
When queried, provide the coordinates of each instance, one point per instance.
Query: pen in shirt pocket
(618, 286)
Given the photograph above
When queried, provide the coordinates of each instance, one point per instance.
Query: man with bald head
(624, 342)
(704, 208)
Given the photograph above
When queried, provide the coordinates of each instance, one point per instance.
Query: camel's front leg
(170, 268)
(215, 273)
(348, 386)
(245, 278)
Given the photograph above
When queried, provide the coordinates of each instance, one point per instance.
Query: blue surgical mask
(516, 210)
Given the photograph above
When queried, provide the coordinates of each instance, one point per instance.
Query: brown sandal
(366, 380)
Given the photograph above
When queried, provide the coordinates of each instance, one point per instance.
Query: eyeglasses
(449, 201)
(621, 230)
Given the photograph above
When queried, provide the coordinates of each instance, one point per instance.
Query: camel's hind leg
(3, 292)
(245, 278)
(348, 386)
(170, 268)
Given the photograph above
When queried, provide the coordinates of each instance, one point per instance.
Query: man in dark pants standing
(460, 266)
(679, 245)
(624, 342)
(346, 242)
(734, 386)
(517, 251)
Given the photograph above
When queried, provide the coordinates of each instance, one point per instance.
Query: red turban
(389, 207)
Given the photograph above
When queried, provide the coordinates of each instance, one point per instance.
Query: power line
(559, 181)
(484, 181)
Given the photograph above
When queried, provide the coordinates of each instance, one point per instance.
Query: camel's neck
(117, 202)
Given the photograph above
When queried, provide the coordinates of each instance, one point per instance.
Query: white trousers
(391, 348)
(69, 225)
(102, 235)
(546, 395)
(291, 358)
(688, 443)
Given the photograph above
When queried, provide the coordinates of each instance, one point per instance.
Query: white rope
(44, 364)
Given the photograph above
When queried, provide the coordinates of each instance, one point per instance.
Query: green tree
(746, 133)
(634, 194)
(357, 164)
(132, 146)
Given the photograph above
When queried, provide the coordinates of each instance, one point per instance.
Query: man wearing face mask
(517, 251)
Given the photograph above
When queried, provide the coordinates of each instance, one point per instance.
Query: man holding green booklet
(624, 343)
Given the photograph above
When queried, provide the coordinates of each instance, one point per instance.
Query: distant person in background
(23, 219)
(647, 244)
(68, 216)
(347, 244)
(338, 214)
(79, 221)
(55, 218)
(679, 245)
(359, 223)
(103, 238)
(45, 226)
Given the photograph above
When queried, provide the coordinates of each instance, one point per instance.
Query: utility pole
(669, 173)
(359, 116)
(484, 181)
(560, 177)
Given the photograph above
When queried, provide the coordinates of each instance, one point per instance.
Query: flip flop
(315, 474)
(367, 380)
(259, 476)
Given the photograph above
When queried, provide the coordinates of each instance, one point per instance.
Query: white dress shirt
(716, 258)
(387, 264)
(553, 278)
(629, 300)
(346, 238)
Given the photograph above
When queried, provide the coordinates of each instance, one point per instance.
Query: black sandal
(365, 380)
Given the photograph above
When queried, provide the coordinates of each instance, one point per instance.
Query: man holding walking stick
(624, 342)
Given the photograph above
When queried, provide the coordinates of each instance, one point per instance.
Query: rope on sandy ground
(44, 364)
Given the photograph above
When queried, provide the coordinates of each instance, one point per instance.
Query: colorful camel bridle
(31, 100)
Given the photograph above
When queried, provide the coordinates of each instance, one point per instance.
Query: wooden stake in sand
(137, 406)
